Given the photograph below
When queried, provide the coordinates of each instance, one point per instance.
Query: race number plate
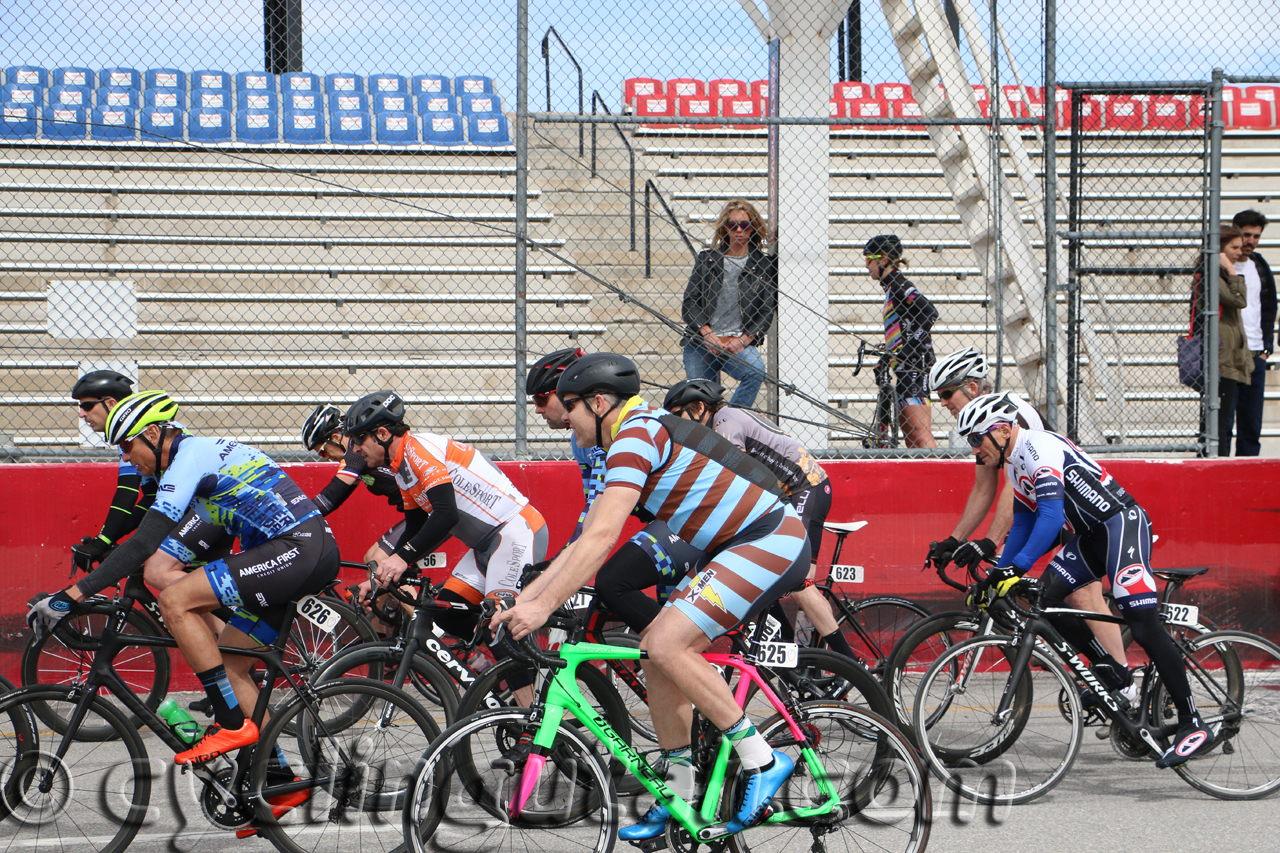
(1186, 615)
(434, 560)
(315, 611)
(780, 655)
(771, 628)
(847, 574)
(579, 601)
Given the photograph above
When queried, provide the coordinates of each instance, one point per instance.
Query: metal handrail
(631, 156)
(648, 267)
(546, 61)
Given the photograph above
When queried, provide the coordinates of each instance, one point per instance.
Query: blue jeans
(747, 367)
(1248, 410)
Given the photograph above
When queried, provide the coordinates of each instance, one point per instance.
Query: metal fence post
(522, 224)
(1210, 274)
(1051, 213)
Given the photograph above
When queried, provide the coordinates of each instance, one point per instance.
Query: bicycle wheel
(65, 657)
(873, 626)
(912, 656)
(1235, 682)
(356, 775)
(434, 687)
(92, 800)
(627, 677)
(1009, 761)
(309, 646)
(460, 797)
(884, 793)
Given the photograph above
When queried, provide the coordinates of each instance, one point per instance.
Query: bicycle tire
(458, 801)
(884, 790)
(433, 685)
(73, 813)
(914, 653)
(359, 774)
(309, 646)
(65, 656)
(873, 626)
(1235, 678)
(1036, 743)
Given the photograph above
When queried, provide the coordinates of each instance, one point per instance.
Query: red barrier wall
(1223, 514)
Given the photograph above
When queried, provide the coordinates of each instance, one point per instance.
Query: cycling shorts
(195, 542)
(499, 563)
(259, 584)
(1119, 548)
(912, 389)
(812, 505)
(752, 570)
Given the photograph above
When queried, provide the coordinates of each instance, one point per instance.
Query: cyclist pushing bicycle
(1054, 483)
(713, 497)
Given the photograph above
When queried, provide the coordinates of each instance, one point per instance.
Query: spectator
(908, 319)
(1259, 317)
(1233, 350)
(730, 301)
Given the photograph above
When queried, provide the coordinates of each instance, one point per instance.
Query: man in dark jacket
(1259, 316)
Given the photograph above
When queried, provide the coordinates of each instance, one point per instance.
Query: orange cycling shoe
(217, 741)
(280, 806)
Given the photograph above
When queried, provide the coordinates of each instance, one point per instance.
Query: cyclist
(802, 479)
(717, 499)
(1055, 483)
(288, 552)
(654, 557)
(958, 379)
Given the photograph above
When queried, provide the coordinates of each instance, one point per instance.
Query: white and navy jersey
(790, 462)
(1044, 466)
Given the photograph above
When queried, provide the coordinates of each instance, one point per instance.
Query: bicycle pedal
(652, 845)
(1103, 732)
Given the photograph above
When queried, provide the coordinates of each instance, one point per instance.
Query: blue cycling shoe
(761, 786)
(653, 824)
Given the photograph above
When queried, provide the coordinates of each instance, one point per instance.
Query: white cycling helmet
(983, 413)
(958, 367)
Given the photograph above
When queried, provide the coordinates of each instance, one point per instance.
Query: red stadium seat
(980, 91)
(760, 90)
(1263, 93)
(984, 106)
(1167, 112)
(838, 108)
(1195, 112)
(1124, 113)
(866, 108)
(640, 87)
(1251, 113)
(907, 109)
(719, 89)
(698, 106)
(847, 90)
(894, 92)
(742, 108)
(685, 86)
(656, 107)
(1230, 94)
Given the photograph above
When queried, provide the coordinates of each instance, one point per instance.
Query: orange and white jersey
(486, 498)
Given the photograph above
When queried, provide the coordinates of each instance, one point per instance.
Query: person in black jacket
(729, 303)
(1259, 317)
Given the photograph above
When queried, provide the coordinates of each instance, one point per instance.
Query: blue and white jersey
(234, 486)
(591, 463)
(1044, 466)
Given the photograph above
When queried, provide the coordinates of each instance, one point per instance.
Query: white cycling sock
(753, 750)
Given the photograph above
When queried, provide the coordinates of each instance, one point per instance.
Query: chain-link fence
(265, 206)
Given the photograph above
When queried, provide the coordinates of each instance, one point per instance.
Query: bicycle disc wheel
(998, 761)
(92, 799)
(432, 685)
(460, 798)
(884, 793)
(1235, 682)
(357, 775)
(65, 657)
(876, 625)
(914, 653)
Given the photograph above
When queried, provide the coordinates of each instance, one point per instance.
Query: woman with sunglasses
(729, 303)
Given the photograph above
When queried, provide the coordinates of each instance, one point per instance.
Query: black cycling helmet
(546, 371)
(320, 425)
(599, 371)
(705, 391)
(381, 408)
(883, 245)
(102, 384)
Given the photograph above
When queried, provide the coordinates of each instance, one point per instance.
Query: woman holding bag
(1235, 361)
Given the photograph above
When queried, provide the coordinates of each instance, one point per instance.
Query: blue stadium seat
(18, 121)
(390, 83)
(161, 124)
(346, 84)
(114, 124)
(430, 84)
(210, 79)
(348, 101)
(123, 78)
(211, 99)
(165, 78)
(64, 123)
(117, 96)
(389, 102)
(74, 76)
(442, 129)
(27, 75)
(472, 84)
(298, 81)
(165, 99)
(257, 99)
(21, 93)
(255, 81)
(303, 127)
(480, 104)
(350, 127)
(488, 130)
(70, 96)
(253, 125)
(428, 104)
(303, 101)
(209, 126)
(397, 128)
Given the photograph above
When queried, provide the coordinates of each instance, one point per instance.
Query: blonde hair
(759, 239)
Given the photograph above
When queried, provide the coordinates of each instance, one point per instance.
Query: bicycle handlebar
(528, 645)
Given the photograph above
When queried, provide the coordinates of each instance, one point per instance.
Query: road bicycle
(327, 775)
(884, 423)
(482, 787)
(1004, 714)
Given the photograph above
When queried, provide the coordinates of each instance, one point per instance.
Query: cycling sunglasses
(87, 405)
